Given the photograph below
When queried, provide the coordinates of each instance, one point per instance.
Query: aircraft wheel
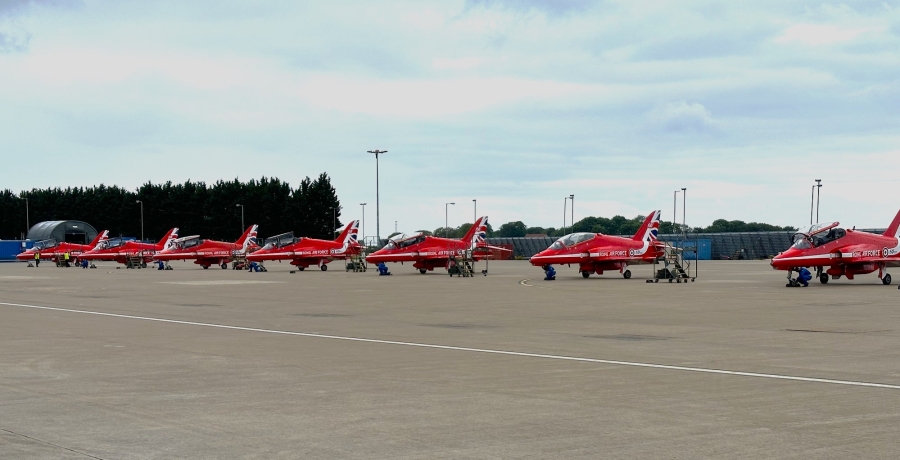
(143, 264)
(887, 279)
(585, 274)
(205, 266)
(422, 271)
(627, 274)
(224, 266)
(301, 268)
(823, 278)
(324, 267)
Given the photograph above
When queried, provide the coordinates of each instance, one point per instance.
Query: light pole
(27, 220)
(475, 212)
(818, 197)
(683, 213)
(142, 219)
(377, 198)
(812, 203)
(674, 210)
(572, 197)
(363, 222)
(242, 216)
(565, 203)
(446, 230)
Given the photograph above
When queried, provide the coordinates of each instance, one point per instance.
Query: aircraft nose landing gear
(887, 279)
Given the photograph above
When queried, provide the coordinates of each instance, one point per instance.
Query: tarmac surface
(212, 364)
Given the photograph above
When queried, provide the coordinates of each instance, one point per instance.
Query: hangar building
(70, 231)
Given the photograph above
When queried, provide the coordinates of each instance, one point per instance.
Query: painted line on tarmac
(474, 350)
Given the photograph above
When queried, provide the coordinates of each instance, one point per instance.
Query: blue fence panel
(9, 249)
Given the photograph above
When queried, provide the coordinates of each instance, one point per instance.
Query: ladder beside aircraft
(674, 266)
(239, 260)
(355, 263)
(135, 260)
(462, 264)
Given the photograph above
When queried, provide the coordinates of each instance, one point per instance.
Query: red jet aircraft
(843, 252)
(51, 249)
(208, 252)
(430, 252)
(122, 251)
(595, 252)
(304, 252)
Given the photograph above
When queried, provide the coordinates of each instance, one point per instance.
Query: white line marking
(475, 350)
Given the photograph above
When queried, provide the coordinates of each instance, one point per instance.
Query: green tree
(512, 229)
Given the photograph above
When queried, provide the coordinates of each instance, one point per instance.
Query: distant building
(536, 235)
(70, 231)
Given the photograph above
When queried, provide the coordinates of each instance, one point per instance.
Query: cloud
(549, 7)
(683, 117)
(15, 42)
(819, 34)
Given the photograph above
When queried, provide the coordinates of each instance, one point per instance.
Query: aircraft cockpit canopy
(280, 241)
(403, 240)
(818, 235)
(571, 240)
(188, 242)
(45, 244)
(111, 243)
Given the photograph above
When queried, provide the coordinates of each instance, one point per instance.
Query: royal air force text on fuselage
(883, 252)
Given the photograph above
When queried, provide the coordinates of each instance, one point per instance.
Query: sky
(513, 103)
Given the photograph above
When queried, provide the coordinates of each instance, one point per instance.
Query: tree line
(196, 208)
(616, 225)
(620, 225)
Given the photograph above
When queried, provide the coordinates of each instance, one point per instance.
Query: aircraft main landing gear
(823, 278)
(224, 265)
(324, 267)
(585, 274)
(886, 279)
(423, 271)
(626, 274)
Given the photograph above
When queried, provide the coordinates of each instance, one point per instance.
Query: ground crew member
(804, 277)
(37, 258)
(66, 259)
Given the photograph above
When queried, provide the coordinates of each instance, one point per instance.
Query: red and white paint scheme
(304, 252)
(208, 252)
(596, 253)
(52, 249)
(836, 252)
(430, 252)
(118, 250)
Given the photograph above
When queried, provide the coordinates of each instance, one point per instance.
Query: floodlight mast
(377, 198)
(446, 230)
(142, 219)
(818, 197)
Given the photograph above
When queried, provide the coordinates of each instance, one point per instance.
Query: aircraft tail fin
(168, 239)
(349, 236)
(477, 233)
(102, 236)
(248, 238)
(649, 229)
(894, 229)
